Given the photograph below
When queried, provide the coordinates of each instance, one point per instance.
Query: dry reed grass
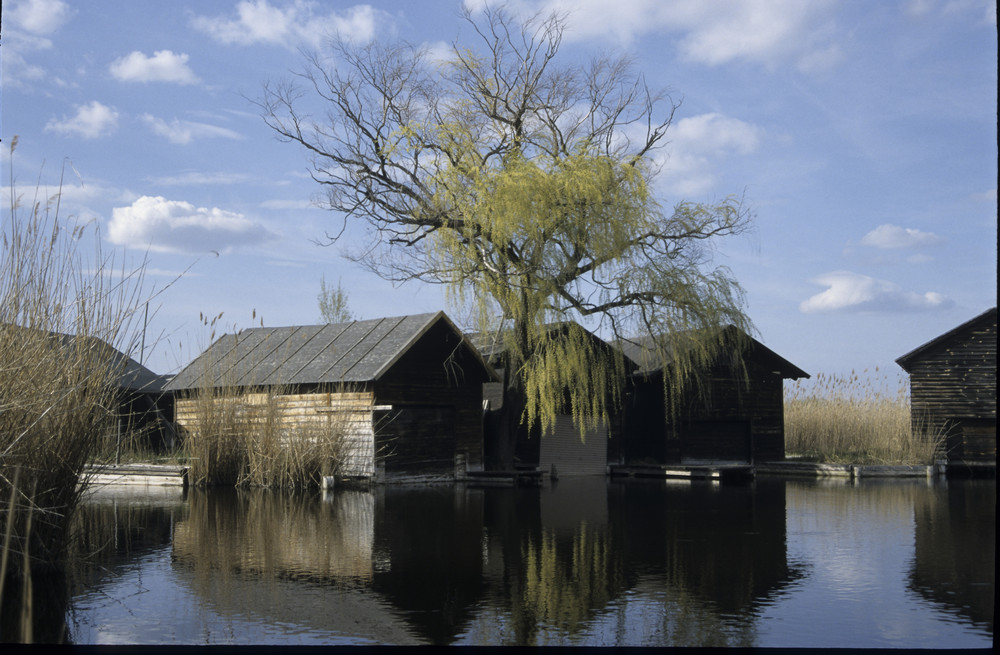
(855, 419)
(248, 438)
(63, 311)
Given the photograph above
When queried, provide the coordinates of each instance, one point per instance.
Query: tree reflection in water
(580, 562)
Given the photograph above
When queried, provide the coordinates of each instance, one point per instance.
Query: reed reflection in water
(583, 562)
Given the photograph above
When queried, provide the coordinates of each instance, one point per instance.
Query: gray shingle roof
(132, 375)
(642, 351)
(359, 351)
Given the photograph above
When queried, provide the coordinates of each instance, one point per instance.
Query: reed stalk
(256, 437)
(855, 419)
(63, 311)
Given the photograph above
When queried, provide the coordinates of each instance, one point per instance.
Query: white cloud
(894, 236)
(713, 33)
(38, 16)
(163, 66)
(698, 144)
(296, 24)
(183, 132)
(855, 292)
(25, 27)
(90, 122)
(177, 226)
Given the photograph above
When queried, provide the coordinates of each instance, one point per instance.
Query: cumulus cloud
(295, 24)
(26, 26)
(38, 16)
(761, 31)
(894, 236)
(177, 226)
(184, 132)
(91, 121)
(698, 144)
(855, 292)
(163, 66)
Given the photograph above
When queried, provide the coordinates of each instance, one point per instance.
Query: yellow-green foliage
(857, 419)
(525, 186)
(537, 241)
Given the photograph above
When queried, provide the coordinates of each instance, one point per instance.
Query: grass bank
(855, 419)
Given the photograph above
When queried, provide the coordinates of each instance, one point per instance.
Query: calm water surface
(776, 563)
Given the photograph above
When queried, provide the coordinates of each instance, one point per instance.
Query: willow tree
(526, 186)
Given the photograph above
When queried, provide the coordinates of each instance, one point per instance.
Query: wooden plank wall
(734, 404)
(301, 415)
(436, 391)
(954, 385)
(571, 456)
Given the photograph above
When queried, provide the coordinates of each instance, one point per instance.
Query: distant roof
(133, 375)
(642, 351)
(906, 360)
(357, 351)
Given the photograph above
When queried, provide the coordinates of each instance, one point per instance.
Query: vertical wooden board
(572, 456)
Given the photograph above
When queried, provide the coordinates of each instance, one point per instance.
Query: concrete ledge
(808, 469)
(872, 471)
(853, 471)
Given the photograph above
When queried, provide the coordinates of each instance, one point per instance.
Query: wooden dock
(148, 475)
(714, 472)
(519, 478)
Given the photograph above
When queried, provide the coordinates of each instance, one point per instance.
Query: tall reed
(62, 311)
(857, 419)
(258, 437)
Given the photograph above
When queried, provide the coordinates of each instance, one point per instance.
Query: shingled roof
(355, 352)
(131, 375)
(642, 351)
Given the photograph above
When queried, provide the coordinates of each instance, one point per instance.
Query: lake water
(774, 563)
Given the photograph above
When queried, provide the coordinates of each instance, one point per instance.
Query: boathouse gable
(737, 417)
(407, 391)
(953, 389)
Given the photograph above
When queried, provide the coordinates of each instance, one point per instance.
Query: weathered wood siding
(436, 393)
(733, 421)
(953, 389)
(301, 416)
(563, 449)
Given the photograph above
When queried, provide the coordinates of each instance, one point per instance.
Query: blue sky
(863, 135)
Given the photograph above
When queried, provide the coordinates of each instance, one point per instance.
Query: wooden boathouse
(407, 391)
(953, 390)
(562, 451)
(738, 419)
(141, 405)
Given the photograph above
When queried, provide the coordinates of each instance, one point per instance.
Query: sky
(863, 135)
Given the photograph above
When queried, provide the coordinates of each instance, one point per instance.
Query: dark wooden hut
(738, 416)
(563, 450)
(953, 389)
(142, 405)
(406, 391)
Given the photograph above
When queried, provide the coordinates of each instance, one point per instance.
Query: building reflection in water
(954, 564)
(582, 561)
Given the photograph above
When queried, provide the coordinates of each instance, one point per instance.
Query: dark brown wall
(733, 421)
(953, 386)
(436, 393)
